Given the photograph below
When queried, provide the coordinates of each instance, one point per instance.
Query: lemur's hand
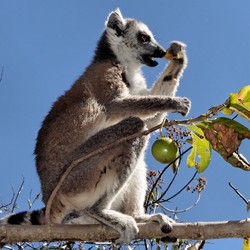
(183, 105)
(176, 51)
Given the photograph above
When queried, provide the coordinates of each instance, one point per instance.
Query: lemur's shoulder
(101, 80)
(104, 81)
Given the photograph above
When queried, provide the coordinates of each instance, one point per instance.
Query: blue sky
(45, 45)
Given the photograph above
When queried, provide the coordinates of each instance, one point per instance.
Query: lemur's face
(143, 44)
(132, 41)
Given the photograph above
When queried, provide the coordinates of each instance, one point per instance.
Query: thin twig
(30, 201)
(166, 190)
(170, 184)
(30, 246)
(155, 183)
(202, 245)
(170, 198)
(175, 211)
(237, 192)
(145, 244)
(17, 195)
(159, 177)
(6, 206)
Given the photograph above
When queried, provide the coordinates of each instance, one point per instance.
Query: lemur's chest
(107, 81)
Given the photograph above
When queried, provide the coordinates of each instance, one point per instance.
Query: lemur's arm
(168, 81)
(146, 106)
(160, 98)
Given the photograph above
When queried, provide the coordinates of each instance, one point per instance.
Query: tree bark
(101, 233)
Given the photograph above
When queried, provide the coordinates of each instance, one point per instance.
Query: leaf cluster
(222, 134)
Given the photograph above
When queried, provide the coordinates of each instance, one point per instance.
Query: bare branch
(98, 233)
(17, 195)
(5, 206)
(14, 198)
(197, 245)
(238, 192)
(170, 198)
(183, 210)
(170, 184)
(159, 177)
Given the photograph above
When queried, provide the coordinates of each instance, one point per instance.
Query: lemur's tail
(35, 217)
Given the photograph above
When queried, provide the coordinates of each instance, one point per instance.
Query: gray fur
(108, 102)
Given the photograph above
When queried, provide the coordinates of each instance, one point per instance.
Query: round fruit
(165, 150)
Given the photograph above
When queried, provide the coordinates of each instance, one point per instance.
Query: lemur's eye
(144, 38)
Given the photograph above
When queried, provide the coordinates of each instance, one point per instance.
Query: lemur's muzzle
(159, 52)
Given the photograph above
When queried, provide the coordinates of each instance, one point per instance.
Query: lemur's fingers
(175, 51)
(185, 106)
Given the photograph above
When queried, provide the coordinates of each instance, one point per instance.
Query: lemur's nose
(160, 52)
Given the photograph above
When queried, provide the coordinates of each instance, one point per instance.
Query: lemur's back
(74, 117)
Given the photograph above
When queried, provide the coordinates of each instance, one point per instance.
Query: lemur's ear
(116, 22)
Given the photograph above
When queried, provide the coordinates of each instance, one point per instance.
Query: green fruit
(165, 150)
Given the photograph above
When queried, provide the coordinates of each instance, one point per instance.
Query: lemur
(109, 101)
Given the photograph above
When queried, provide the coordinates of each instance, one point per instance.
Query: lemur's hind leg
(103, 177)
(133, 200)
(124, 165)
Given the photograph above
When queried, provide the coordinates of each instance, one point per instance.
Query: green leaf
(246, 244)
(240, 102)
(227, 111)
(238, 127)
(201, 152)
(225, 136)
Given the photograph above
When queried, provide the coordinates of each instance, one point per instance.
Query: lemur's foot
(128, 231)
(176, 51)
(184, 105)
(164, 221)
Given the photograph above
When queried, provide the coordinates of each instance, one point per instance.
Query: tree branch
(99, 233)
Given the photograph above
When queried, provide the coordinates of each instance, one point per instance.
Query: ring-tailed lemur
(108, 102)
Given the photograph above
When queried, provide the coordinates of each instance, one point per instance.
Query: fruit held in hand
(175, 51)
(171, 56)
(165, 150)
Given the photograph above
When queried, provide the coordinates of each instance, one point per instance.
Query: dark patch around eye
(143, 37)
